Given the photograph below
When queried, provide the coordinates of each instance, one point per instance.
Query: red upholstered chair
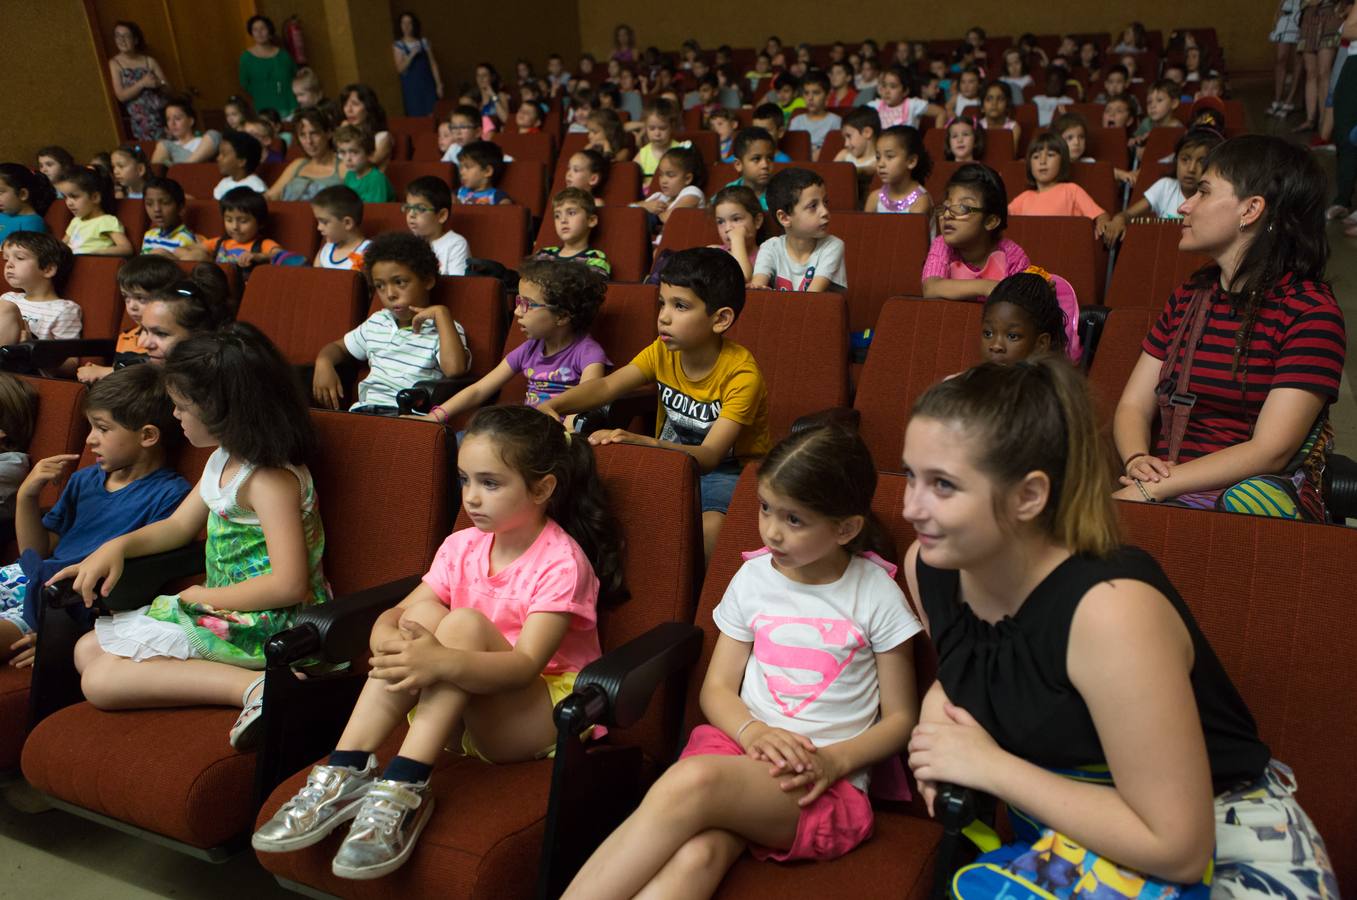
(400, 174)
(621, 234)
(302, 309)
(132, 215)
(93, 283)
(1118, 351)
(622, 187)
(1150, 266)
(494, 232)
(690, 228)
(538, 147)
(197, 179)
(937, 180)
(796, 144)
(841, 180)
(525, 181)
(293, 224)
(1107, 144)
(884, 255)
(1065, 246)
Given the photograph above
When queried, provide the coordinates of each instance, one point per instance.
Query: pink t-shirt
(944, 262)
(1064, 199)
(553, 575)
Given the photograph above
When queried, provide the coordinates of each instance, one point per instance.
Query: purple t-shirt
(551, 375)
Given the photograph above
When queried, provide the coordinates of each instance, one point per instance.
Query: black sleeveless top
(1011, 675)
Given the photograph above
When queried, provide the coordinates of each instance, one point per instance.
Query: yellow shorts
(558, 688)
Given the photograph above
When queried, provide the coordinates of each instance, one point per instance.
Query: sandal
(245, 733)
(1304, 127)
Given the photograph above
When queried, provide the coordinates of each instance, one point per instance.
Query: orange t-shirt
(1064, 199)
(127, 341)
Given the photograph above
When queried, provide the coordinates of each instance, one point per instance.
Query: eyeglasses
(523, 304)
(955, 211)
(418, 209)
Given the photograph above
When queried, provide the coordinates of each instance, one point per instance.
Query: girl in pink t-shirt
(488, 644)
(970, 255)
(1052, 192)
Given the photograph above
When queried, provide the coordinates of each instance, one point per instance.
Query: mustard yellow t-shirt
(733, 390)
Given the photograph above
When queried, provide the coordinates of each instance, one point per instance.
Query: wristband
(1132, 458)
(739, 731)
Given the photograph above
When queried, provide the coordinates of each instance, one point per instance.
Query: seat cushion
(116, 764)
(13, 714)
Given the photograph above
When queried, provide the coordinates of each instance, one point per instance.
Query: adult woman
(1073, 682)
(197, 305)
(1345, 127)
(1286, 35)
(1319, 24)
(491, 98)
(266, 70)
(624, 44)
(317, 169)
(1246, 357)
(421, 82)
(137, 82)
(184, 144)
(362, 109)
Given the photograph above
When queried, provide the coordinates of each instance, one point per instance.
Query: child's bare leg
(730, 793)
(697, 868)
(11, 323)
(116, 682)
(711, 530)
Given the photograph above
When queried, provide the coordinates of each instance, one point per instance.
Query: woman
(1286, 35)
(492, 99)
(421, 82)
(1073, 683)
(317, 169)
(1345, 128)
(363, 110)
(624, 44)
(185, 144)
(137, 82)
(1244, 410)
(1319, 24)
(266, 71)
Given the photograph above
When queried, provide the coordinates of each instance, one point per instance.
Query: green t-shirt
(371, 187)
(269, 81)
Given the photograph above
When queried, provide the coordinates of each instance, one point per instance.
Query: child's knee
(461, 624)
(688, 781)
(703, 852)
(87, 649)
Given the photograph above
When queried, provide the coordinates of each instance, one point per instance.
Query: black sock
(350, 759)
(402, 768)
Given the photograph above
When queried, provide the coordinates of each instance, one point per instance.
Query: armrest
(337, 631)
(615, 689)
(425, 395)
(954, 808)
(143, 578)
(30, 355)
(841, 416)
(1340, 487)
(1092, 319)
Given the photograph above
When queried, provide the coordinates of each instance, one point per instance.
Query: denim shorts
(718, 486)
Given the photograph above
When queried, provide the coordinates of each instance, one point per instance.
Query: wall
(1242, 27)
(315, 31)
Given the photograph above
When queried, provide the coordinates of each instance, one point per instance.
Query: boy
(1160, 103)
(786, 94)
(1114, 83)
(706, 97)
(465, 124)
(238, 157)
(479, 167)
(713, 402)
(428, 203)
(168, 235)
(583, 102)
(339, 219)
(805, 257)
(306, 88)
(36, 266)
(754, 161)
(557, 76)
(860, 128)
(528, 119)
(445, 141)
(407, 341)
(575, 216)
(354, 146)
(130, 485)
(771, 119)
(817, 120)
(262, 130)
(139, 279)
(725, 122)
(244, 214)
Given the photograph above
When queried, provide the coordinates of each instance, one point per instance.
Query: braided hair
(1032, 293)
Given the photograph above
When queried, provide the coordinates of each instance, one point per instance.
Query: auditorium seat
(884, 255)
(1107, 144)
(941, 174)
(1118, 352)
(424, 147)
(197, 179)
(1064, 246)
(58, 217)
(302, 309)
(400, 174)
(525, 181)
(1150, 267)
(841, 181)
(539, 147)
(621, 234)
(132, 215)
(692, 228)
(622, 187)
(795, 144)
(93, 283)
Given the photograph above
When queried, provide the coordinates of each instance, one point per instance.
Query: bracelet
(739, 731)
(439, 416)
(1143, 492)
(1130, 459)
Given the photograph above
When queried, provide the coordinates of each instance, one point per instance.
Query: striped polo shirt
(398, 357)
(1298, 341)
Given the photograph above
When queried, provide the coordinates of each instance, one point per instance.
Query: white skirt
(139, 637)
(1287, 29)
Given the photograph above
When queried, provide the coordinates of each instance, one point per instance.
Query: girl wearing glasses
(970, 255)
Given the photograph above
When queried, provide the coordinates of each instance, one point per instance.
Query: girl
(1073, 130)
(869, 76)
(487, 645)
(129, 172)
(232, 390)
(656, 132)
(606, 135)
(588, 170)
(24, 199)
(54, 160)
(1167, 195)
(195, 306)
(1015, 74)
(678, 185)
(238, 111)
(94, 229)
(965, 140)
(739, 218)
(1132, 39)
(184, 144)
(971, 255)
(362, 109)
(903, 165)
(896, 107)
(767, 775)
(1031, 312)
(994, 107)
(1052, 193)
(624, 44)
(1038, 612)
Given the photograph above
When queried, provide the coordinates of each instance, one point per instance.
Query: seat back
(999, 146)
(622, 187)
(1150, 267)
(539, 147)
(1160, 142)
(1150, 172)
(800, 342)
(621, 234)
(197, 179)
(293, 224)
(1118, 351)
(525, 181)
(1107, 144)
(132, 215)
(57, 218)
(841, 180)
(203, 217)
(1065, 246)
(493, 232)
(796, 144)
(93, 283)
(59, 426)
(884, 255)
(941, 174)
(477, 304)
(400, 174)
(917, 344)
(691, 227)
(302, 309)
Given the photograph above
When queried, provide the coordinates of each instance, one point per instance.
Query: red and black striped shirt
(1298, 341)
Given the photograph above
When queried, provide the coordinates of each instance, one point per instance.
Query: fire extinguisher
(292, 37)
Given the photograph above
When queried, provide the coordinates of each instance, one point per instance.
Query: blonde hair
(353, 134)
(583, 199)
(307, 79)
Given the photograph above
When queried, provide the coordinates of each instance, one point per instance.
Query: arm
(483, 391)
(1017, 136)
(760, 280)
(207, 150)
(161, 155)
(452, 358)
(124, 94)
(433, 67)
(709, 454)
(121, 245)
(402, 59)
(594, 394)
(276, 191)
(326, 388)
(159, 72)
(28, 528)
(869, 205)
(818, 284)
(383, 154)
(958, 288)
(739, 248)
(1131, 423)
(687, 202)
(939, 114)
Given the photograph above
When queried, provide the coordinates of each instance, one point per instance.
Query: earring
(1241, 224)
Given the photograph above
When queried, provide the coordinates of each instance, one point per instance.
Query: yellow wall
(320, 54)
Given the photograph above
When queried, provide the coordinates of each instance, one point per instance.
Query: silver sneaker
(332, 796)
(384, 832)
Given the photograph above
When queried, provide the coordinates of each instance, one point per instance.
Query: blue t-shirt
(491, 196)
(10, 224)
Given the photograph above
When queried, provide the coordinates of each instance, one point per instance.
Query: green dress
(269, 81)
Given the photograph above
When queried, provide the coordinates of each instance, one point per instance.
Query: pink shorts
(838, 820)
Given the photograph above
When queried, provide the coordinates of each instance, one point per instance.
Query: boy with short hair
(817, 120)
(771, 119)
(1114, 83)
(582, 102)
(465, 124)
(139, 279)
(238, 157)
(409, 340)
(725, 122)
(168, 235)
(786, 93)
(355, 146)
(754, 161)
(479, 168)
(805, 257)
(528, 118)
(130, 485)
(575, 216)
(339, 219)
(262, 130)
(428, 204)
(860, 128)
(306, 88)
(713, 403)
(244, 214)
(36, 267)
(1160, 102)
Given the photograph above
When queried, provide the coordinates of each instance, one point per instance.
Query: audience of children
(1030, 312)
(678, 183)
(659, 123)
(995, 111)
(428, 204)
(588, 171)
(805, 257)
(903, 164)
(574, 215)
(339, 219)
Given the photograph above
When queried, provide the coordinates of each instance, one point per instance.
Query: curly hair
(1035, 296)
(404, 248)
(567, 287)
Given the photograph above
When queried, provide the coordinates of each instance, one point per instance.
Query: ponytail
(1036, 416)
(19, 177)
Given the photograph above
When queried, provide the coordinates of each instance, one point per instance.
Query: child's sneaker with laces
(392, 815)
(332, 796)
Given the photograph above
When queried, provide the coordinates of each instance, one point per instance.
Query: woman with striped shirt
(1246, 357)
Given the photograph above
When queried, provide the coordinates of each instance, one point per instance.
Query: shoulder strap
(1175, 400)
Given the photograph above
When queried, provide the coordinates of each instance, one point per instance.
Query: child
(237, 110)
(1115, 83)
(528, 118)
(965, 140)
(786, 94)
(307, 89)
(129, 172)
(1120, 112)
(556, 305)
(36, 267)
(970, 255)
(409, 340)
(190, 307)
(575, 216)
(428, 203)
(53, 161)
(1165, 196)
(754, 149)
(168, 235)
(713, 402)
(94, 229)
(816, 120)
(588, 170)
(262, 130)
(842, 94)
(339, 219)
(1025, 314)
(1052, 193)
(739, 217)
(583, 102)
(18, 415)
(766, 774)
(1053, 100)
(542, 526)
(967, 92)
(705, 97)
(232, 390)
(771, 119)
(25, 197)
(659, 122)
(678, 185)
(479, 167)
(904, 165)
(894, 106)
(860, 128)
(725, 122)
(464, 126)
(140, 278)
(1015, 74)
(607, 136)
(238, 160)
(129, 486)
(1073, 130)
(445, 138)
(244, 213)
(994, 109)
(355, 147)
(1160, 103)
(805, 257)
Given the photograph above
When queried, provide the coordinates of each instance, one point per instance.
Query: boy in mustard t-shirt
(713, 404)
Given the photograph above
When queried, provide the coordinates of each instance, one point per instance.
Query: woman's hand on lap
(959, 752)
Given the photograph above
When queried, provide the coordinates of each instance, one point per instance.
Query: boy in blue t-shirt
(129, 486)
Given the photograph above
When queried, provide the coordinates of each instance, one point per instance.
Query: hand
(1126, 177)
(411, 662)
(929, 791)
(26, 649)
(959, 751)
(196, 594)
(325, 386)
(825, 769)
(425, 313)
(89, 373)
(656, 206)
(438, 90)
(49, 469)
(619, 436)
(1112, 229)
(1147, 468)
(97, 575)
(738, 235)
(787, 751)
(546, 410)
